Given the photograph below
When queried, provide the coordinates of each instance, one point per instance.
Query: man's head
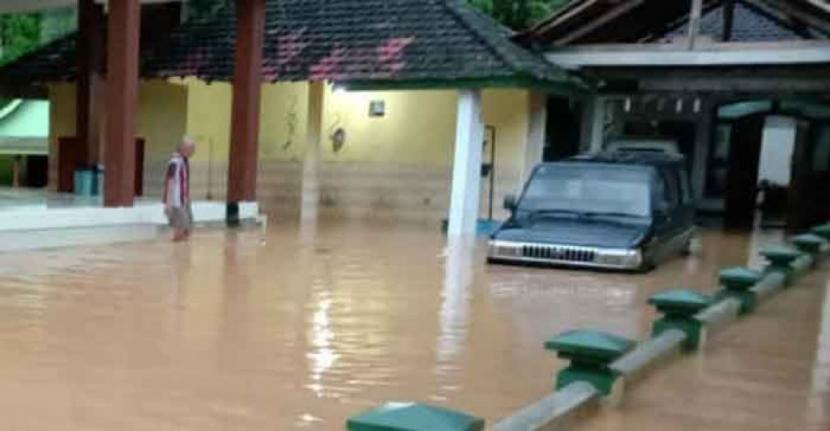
(187, 146)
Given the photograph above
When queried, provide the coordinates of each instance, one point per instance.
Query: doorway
(562, 129)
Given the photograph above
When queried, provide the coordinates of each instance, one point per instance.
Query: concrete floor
(299, 328)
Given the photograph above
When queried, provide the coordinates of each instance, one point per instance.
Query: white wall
(777, 147)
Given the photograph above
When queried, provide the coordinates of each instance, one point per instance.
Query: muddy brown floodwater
(298, 330)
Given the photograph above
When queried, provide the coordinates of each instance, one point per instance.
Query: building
(364, 108)
(740, 85)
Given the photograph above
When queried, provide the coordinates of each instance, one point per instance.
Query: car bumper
(564, 255)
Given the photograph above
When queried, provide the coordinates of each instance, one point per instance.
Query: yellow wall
(208, 118)
(508, 111)
(282, 120)
(162, 114)
(61, 122)
(419, 126)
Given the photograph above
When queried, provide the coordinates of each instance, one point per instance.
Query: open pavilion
(391, 46)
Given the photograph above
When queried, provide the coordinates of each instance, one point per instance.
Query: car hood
(579, 233)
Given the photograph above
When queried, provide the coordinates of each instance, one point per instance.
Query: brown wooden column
(247, 79)
(122, 96)
(90, 16)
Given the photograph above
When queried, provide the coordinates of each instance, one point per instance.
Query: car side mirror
(510, 203)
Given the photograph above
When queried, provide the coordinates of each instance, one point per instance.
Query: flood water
(300, 328)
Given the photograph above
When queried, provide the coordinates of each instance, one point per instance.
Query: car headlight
(620, 258)
(504, 249)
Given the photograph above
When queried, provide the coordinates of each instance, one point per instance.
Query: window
(585, 188)
(672, 188)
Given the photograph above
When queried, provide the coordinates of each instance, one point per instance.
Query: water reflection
(455, 297)
(322, 356)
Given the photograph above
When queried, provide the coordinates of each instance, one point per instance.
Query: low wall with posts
(603, 366)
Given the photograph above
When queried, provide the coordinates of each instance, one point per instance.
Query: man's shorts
(180, 218)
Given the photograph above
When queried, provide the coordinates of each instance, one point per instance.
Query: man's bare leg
(180, 235)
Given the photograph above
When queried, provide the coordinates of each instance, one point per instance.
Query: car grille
(568, 254)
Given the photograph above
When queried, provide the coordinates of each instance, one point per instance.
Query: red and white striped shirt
(177, 182)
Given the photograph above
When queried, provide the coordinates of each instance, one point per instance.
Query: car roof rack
(630, 157)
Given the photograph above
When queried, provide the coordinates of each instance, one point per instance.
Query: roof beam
(609, 16)
(694, 22)
(789, 10)
(718, 55)
(820, 4)
(728, 20)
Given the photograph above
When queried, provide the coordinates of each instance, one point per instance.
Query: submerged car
(619, 211)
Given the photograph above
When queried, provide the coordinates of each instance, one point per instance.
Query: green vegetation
(23, 32)
(518, 14)
(20, 33)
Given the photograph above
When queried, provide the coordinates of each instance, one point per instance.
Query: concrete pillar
(466, 173)
(536, 132)
(122, 80)
(597, 125)
(704, 134)
(247, 82)
(311, 163)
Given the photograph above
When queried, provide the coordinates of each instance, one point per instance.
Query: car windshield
(584, 189)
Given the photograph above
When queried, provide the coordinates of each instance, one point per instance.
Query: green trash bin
(84, 182)
(396, 416)
(679, 307)
(590, 353)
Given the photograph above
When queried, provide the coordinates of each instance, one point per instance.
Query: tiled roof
(656, 21)
(54, 61)
(393, 41)
(750, 24)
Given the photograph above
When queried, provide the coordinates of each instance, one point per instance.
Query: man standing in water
(177, 190)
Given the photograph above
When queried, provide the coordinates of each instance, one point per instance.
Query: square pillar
(247, 82)
(597, 119)
(704, 134)
(536, 132)
(122, 81)
(466, 171)
(310, 198)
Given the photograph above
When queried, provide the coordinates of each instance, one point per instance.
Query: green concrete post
(679, 307)
(735, 283)
(780, 259)
(809, 243)
(413, 417)
(822, 231)
(590, 353)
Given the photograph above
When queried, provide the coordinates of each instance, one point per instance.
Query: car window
(672, 188)
(588, 189)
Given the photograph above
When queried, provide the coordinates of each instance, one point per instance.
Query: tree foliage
(19, 34)
(200, 10)
(518, 14)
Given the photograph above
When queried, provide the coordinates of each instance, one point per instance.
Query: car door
(667, 214)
